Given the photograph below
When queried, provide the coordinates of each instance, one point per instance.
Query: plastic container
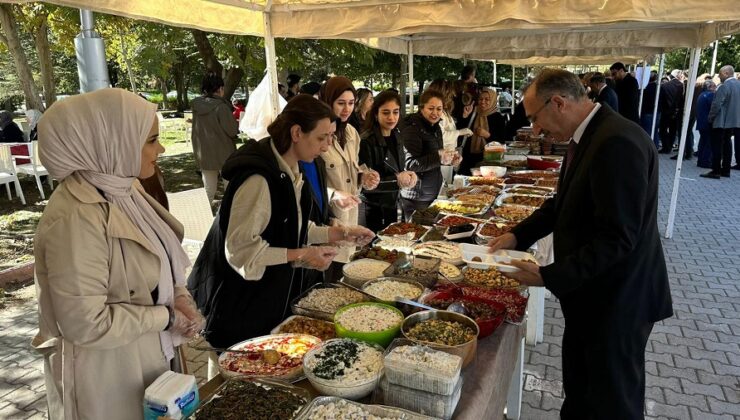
(499, 259)
(467, 351)
(264, 383)
(411, 373)
(326, 315)
(495, 171)
(487, 325)
(310, 412)
(426, 403)
(374, 269)
(381, 338)
(171, 395)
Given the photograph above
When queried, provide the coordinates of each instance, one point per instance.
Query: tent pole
(657, 95)
(513, 89)
(714, 58)
(695, 54)
(270, 64)
(410, 45)
(642, 90)
(494, 72)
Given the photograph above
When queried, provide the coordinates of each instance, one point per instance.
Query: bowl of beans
(370, 322)
(447, 331)
(489, 315)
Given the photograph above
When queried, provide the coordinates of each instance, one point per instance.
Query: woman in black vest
(382, 151)
(246, 276)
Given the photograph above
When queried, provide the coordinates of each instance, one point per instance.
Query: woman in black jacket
(381, 150)
(9, 131)
(421, 137)
(488, 125)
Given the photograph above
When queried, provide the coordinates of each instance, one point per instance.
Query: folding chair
(8, 173)
(35, 168)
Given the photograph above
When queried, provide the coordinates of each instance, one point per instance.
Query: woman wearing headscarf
(32, 117)
(343, 177)
(488, 125)
(110, 271)
(248, 272)
(381, 150)
(450, 133)
(9, 130)
(364, 103)
(214, 131)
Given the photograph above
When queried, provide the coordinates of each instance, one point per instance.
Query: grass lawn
(18, 222)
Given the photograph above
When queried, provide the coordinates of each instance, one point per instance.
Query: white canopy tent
(476, 29)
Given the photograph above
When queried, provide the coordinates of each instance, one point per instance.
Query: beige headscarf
(100, 135)
(478, 143)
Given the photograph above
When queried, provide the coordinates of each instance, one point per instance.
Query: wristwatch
(171, 319)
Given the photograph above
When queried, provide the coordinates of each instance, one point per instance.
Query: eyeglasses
(533, 118)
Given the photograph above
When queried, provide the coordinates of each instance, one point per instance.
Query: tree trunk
(163, 88)
(124, 52)
(231, 82)
(45, 63)
(182, 95)
(13, 42)
(206, 52)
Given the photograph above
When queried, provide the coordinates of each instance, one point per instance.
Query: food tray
(424, 217)
(461, 235)
(357, 281)
(375, 410)
(513, 213)
(529, 190)
(455, 220)
(400, 280)
(434, 234)
(430, 265)
(500, 200)
(482, 239)
(514, 300)
(467, 351)
(376, 253)
(293, 374)
(440, 406)
(411, 236)
(499, 259)
(420, 377)
(278, 328)
(395, 244)
(264, 383)
(443, 250)
(464, 210)
(487, 324)
(315, 313)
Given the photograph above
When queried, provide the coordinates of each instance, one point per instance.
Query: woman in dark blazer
(381, 150)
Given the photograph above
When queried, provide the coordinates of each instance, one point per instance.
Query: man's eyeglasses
(533, 118)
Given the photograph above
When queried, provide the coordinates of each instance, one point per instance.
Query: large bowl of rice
(371, 322)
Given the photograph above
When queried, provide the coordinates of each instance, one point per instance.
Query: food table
(498, 367)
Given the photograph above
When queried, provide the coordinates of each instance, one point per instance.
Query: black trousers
(410, 205)
(668, 129)
(737, 145)
(604, 372)
(377, 217)
(722, 149)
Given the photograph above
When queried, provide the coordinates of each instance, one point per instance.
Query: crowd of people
(338, 165)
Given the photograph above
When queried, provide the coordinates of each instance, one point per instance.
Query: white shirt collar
(581, 128)
(602, 88)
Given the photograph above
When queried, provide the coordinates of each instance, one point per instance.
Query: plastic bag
(258, 113)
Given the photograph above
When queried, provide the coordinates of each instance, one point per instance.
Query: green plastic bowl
(381, 338)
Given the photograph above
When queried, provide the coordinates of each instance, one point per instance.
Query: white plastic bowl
(497, 171)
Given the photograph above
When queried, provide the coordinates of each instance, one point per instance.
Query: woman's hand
(467, 110)
(407, 179)
(465, 132)
(482, 133)
(456, 160)
(317, 257)
(182, 325)
(186, 305)
(370, 180)
(445, 157)
(344, 201)
(350, 235)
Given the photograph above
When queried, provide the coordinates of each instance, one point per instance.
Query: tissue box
(172, 395)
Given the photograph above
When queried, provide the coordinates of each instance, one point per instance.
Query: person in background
(648, 108)
(488, 125)
(703, 105)
(294, 86)
(603, 94)
(32, 118)
(505, 101)
(364, 103)
(239, 106)
(694, 90)
(725, 118)
(283, 91)
(628, 92)
(344, 179)
(9, 130)
(421, 137)
(608, 252)
(214, 131)
(311, 88)
(110, 270)
(450, 133)
(381, 150)
(248, 271)
(670, 118)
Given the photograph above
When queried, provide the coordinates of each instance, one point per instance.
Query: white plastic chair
(193, 209)
(35, 168)
(8, 173)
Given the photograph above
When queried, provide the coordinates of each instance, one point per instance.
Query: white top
(246, 252)
(581, 128)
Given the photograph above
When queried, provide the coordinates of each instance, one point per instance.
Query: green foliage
(728, 52)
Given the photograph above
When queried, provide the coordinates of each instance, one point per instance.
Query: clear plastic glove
(183, 325)
(186, 305)
(345, 201)
(358, 235)
(370, 179)
(445, 157)
(465, 132)
(456, 160)
(316, 257)
(407, 179)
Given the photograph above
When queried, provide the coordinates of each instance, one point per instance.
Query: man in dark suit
(604, 94)
(609, 271)
(670, 119)
(628, 92)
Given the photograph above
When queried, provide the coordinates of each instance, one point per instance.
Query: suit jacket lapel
(583, 144)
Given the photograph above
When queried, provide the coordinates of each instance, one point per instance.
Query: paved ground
(693, 358)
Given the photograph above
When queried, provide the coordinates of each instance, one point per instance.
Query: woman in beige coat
(110, 271)
(343, 176)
